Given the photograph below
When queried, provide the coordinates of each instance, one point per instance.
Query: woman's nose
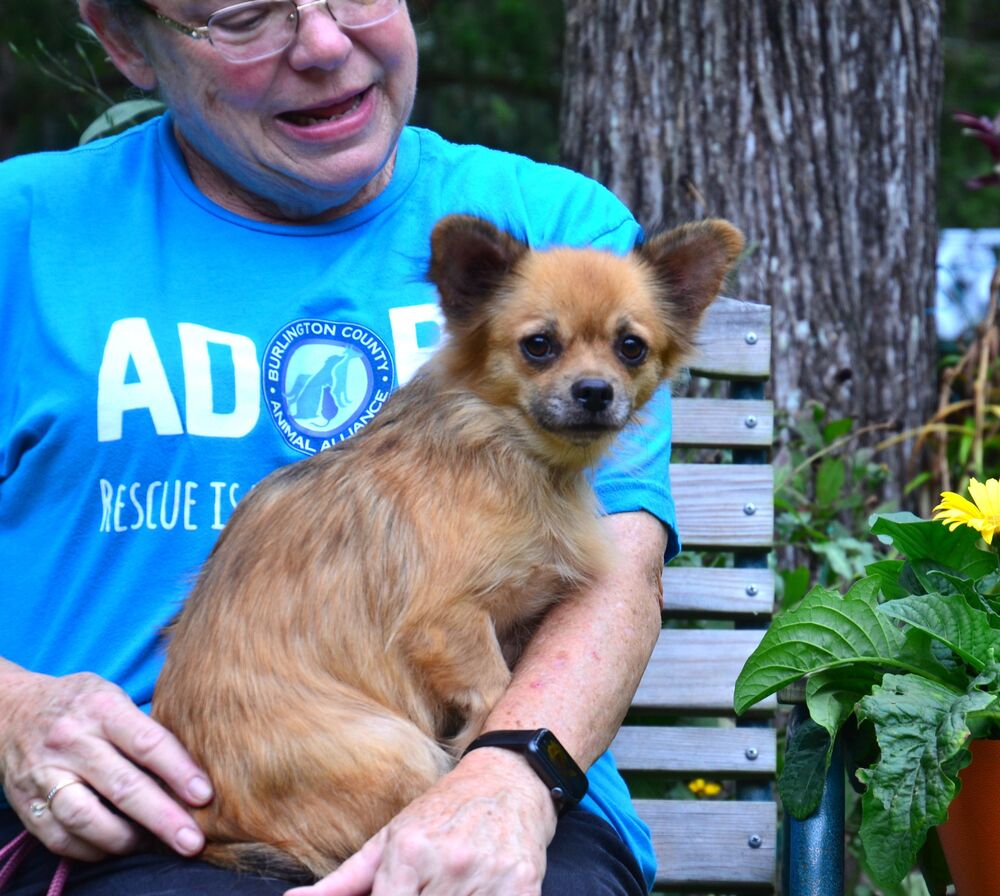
(319, 41)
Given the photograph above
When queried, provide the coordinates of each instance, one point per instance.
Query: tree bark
(813, 126)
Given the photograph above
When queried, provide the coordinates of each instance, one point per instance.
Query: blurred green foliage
(972, 84)
(490, 73)
(42, 47)
(825, 491)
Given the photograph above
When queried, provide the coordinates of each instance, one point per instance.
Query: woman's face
(306, 134)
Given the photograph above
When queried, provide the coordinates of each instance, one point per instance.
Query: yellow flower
(700, 787)
(983, 515)
(697, 785)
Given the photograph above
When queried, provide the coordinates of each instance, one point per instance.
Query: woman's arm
(582, 668)
(484, 827)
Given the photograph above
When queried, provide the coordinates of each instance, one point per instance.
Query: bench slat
(704, 592)
(734, 341)
(692, 672)
(703, 843)
(711, 503)
(722, 423)
(723, 752)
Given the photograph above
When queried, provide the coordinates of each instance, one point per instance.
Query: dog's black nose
(593, 395)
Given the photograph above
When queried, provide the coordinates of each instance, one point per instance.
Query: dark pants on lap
(586, 858)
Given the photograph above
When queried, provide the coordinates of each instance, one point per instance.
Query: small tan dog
(330, 666)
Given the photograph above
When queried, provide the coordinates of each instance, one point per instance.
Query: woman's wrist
(505, 770)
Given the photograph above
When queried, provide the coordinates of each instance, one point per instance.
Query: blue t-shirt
(160, 354)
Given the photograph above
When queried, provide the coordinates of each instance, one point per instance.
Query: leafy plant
(824, 494)
(906, 663)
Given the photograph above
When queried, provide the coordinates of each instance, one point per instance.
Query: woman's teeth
(317, 116)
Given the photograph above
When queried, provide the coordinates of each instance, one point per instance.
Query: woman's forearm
(580, 671)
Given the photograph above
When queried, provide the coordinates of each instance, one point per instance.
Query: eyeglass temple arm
(198, 33)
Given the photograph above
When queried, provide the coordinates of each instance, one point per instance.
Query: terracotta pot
(971, 836)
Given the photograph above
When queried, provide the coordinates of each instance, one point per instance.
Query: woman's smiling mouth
(319, 115)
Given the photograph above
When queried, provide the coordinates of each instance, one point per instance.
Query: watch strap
(547, 758)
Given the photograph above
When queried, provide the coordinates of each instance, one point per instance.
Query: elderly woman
(203, 298)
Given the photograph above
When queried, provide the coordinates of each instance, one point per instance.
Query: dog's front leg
(459, 662)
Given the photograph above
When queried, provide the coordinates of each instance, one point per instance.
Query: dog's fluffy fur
(359, 616)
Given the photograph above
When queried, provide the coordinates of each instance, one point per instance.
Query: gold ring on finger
(39, 808)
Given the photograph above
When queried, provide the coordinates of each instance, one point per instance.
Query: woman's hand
(83, 729)
(482, 829)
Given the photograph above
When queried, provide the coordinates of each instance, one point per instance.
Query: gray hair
(125, 11)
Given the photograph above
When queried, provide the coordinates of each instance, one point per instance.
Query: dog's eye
(539, 347)
(632, 350)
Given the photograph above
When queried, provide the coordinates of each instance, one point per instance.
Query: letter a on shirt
(130, 343)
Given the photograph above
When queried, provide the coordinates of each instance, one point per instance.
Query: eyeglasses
(247, 32)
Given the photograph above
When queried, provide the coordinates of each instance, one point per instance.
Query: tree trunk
(813, 126)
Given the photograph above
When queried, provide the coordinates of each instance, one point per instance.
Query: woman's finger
(153, 747)
(134, 794)
(79, 811)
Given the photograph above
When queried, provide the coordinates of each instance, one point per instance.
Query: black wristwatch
(549, 759)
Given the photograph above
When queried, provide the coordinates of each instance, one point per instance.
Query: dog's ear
(691, 262)
(469, 259)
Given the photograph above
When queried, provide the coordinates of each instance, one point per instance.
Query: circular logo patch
(323, 381)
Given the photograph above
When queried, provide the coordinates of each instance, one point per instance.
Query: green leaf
(922, 729)
(796, 584)
(937, 577)
(966, 442)
(916, 482)
(908, 580)
(945, 582)
(989, 585)
(833, 695)
(837, 429)
(934, 659)
(887, 572)
(829, 480)
(803, 775)
(847, 556)
(951, 621)
(118, 116)
(889, 853)
(919, 539)
(866, 589)
(825, 631)
(836, 556)
(903, 517)
(976, 593)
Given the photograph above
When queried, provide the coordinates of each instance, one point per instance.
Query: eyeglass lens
(250, 31)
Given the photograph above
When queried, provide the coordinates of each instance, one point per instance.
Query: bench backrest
(681, 727)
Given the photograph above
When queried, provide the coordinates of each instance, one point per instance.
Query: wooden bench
(682, 726)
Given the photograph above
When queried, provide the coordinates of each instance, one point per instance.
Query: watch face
(551, 753)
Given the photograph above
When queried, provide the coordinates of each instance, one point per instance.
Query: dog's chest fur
(521, 533)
